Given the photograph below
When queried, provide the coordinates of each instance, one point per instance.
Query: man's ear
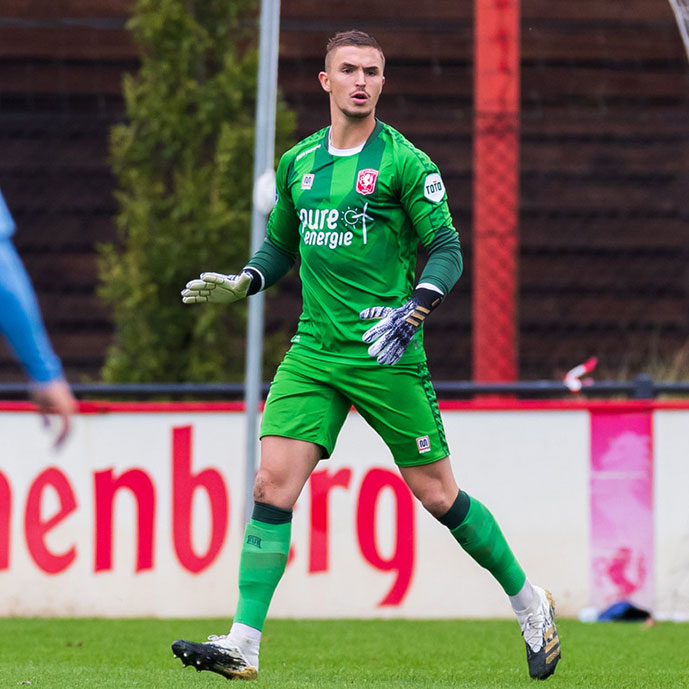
(325, 81)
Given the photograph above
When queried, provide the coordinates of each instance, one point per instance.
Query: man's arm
(444, 266)
(424, 199)
(22, 325)
(390, 337)
(265, 268)
(270, 263)
(20, 319)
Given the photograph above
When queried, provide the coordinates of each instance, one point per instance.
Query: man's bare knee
(261, 489)
(433, 484)
(286, 465)
(437, 502)
(268, 486)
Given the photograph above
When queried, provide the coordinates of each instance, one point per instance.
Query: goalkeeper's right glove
(217, 288)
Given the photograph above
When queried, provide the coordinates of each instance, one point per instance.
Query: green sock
(481, 537)
(262, 564)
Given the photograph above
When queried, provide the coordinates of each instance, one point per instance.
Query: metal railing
(641, 387)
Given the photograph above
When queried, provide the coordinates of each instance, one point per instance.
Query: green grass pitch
(305, 654)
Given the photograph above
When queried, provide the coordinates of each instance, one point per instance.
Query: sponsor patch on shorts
(424, 444)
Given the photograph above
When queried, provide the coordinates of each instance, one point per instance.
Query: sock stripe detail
(268, 514)
(457, 513)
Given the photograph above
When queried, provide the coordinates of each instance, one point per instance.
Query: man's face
(354, 79)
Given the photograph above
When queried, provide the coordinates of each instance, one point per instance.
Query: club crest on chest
(366, 181)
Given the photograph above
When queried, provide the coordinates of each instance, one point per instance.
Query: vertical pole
(264, 157)
(496, 189)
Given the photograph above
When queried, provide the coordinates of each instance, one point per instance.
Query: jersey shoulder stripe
(405, 148)
(307, 145)
(300, 151)
(409, 165)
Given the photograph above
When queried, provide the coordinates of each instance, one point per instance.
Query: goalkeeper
(354, 201)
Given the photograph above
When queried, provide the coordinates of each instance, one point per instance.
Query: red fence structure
(496, 189)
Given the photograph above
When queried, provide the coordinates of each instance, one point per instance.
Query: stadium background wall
(603, 172)
(145, 501)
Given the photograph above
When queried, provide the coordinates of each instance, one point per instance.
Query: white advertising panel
(140, 515)
(671, 451)
(387, 557)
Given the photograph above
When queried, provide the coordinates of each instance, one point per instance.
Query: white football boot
(540, 636)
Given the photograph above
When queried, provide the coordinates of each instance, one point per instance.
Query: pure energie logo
(321, 226)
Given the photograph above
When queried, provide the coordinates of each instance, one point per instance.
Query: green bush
(184, 166)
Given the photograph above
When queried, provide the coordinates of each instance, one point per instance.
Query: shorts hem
(294, 436)
(419, 461)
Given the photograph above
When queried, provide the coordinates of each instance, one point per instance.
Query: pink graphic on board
(621, 509)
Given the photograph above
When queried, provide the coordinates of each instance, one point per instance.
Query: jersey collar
(376, 130)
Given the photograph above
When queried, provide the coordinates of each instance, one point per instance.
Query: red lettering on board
(402, 559)
(141, 486)
(5, 513)
(36, 528)
(321, 483)
(184, 483)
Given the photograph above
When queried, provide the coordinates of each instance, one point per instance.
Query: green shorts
(310, 398)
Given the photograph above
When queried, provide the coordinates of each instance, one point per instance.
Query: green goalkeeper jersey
(356, 222)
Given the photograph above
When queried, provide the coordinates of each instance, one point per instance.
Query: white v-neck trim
(341, 152)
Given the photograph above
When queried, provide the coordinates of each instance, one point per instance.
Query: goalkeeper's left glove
(392, 335)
